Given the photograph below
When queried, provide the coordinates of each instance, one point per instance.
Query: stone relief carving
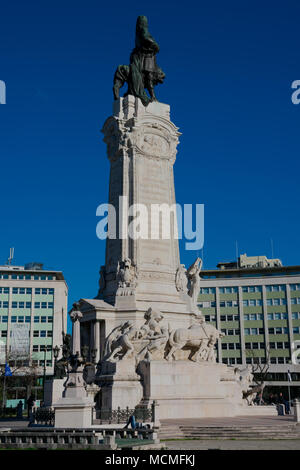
(127, 276)
(154, 340)
(200, 339)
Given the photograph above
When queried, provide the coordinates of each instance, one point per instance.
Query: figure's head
(141, 23)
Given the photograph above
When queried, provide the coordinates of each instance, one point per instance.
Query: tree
(260, 368)
(24, 372)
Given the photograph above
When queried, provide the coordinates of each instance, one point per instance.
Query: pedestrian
(131, 421)
(20, 410)
(30, 403)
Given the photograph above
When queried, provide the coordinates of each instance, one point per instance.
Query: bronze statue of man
(143, 71)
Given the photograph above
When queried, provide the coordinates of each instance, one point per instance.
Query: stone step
(288, 431)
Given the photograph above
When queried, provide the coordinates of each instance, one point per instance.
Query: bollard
(297, 410)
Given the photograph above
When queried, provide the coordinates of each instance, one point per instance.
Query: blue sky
(229, 68)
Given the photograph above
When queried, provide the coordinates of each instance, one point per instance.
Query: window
(224, 346)
(42, 347)
(254, 345)
(20, 319)
(21, 304)
(4, 334)
(14, 304)
(296, 329)
(295, 315)
(43, 333)
(13, 319)
(4, 319)
(37, 290)
(43, 319)
(44, 304)
(51, 291)
(49, 363)
(28, 290)
(35, 348)
(49, 334)
(44, 291)
(15, 290)
(254, 331)
(27, 319)
(28, 304)
(272, 345)
(253, 316)
(247, 331)
(36, 333)
(37, 304)
(295, 286)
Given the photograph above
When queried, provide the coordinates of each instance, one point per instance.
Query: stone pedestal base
(75, 409)
(120, 385)
(184, 389)
(54, 389)
(73, 412)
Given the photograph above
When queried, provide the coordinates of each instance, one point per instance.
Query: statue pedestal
(75, 409)
(184, 389)
(120, 385)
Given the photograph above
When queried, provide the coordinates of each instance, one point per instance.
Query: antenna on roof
(11, 256)
(272, 248)
(236, 250)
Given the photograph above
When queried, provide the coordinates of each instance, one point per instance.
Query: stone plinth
(184, 389)
(73, 412)
(120, 385)
(75, 408)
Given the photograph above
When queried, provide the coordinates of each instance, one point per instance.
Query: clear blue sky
(229, 68)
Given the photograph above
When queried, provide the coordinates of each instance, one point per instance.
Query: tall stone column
(75, 316)
(141, 146)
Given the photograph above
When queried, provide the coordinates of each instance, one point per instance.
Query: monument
(150, 340)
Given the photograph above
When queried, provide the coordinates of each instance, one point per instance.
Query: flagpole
(289, 390)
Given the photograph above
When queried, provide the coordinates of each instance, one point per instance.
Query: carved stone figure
(193, 274)
(156, 334)
(127, 277)
(122, 346)
(143, 71)
(199, 338)
(181, 279)
(245, 378)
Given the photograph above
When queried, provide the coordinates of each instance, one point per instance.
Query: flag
(289, 376)
(8, 371)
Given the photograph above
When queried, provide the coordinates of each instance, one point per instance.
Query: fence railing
(122, 415)
(43, 416)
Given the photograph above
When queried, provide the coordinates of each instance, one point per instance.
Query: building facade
(33, 315)
(256, 304)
